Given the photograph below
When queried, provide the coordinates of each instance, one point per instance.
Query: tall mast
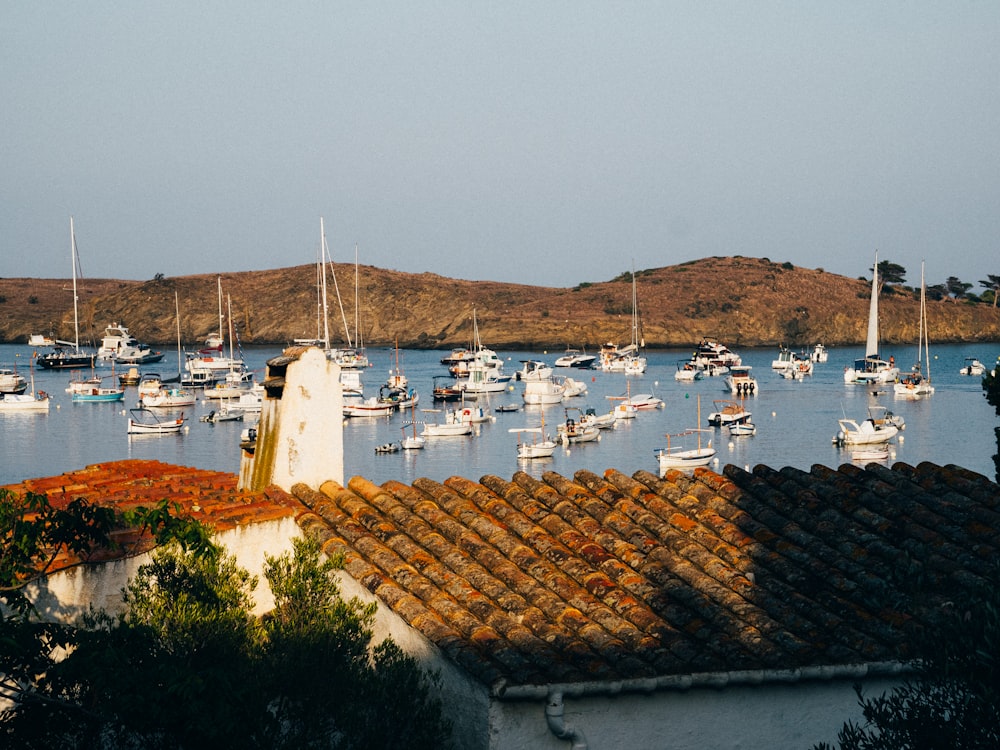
(871, 345)
(321, 286)
(333, 272)
(357, 303)
(219, 281)
(177, 313)
(924, 333)
(76, 315)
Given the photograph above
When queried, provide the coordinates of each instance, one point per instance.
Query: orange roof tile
(614, 577)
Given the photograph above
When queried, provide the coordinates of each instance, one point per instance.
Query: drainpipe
(554, 710)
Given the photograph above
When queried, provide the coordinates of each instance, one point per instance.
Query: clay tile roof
(208, 496)
(613, 577)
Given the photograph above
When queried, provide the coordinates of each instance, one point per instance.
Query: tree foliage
(956, 287)
(187, 664)
(891, 273)
(954, 699)
(992, 284)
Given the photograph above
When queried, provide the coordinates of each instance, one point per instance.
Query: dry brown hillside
(743, 301)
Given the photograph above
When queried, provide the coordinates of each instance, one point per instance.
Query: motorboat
(578, 429)
(222, 414)
(474, 415)
(688, 371)
(452, 425)
(742, 429)
(728, 413)
(11, 381)
(643, 401)
(28, 401)
(973, 367)
(785, 359)
(532, 369)
(445, 389)
(368, 407)
(872, 369)
(142, 421)
(99, 394)
(388, 448)
(880, 426)
(576, 358)
(150, 384)
(130, 377)
(168, 398)
(573, 387)
(819, 353)
(606, 421)
(741, 382)
(546, 391)
(711, 352)
(119, 345)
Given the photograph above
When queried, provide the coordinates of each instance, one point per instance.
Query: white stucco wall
(306, 427)
(748, 717)
(466, 702)
(65, 595)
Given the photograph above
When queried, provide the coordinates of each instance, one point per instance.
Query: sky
(546, 143)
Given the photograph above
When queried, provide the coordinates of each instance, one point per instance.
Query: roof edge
(501, 690)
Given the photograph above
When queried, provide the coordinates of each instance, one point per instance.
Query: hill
(742, 301)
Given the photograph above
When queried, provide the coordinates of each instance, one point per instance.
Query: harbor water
(796, 420)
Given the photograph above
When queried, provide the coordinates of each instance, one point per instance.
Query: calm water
(795, 421)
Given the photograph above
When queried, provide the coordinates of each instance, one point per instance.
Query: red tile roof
(207, 496)
(611, 577)
(615, 577)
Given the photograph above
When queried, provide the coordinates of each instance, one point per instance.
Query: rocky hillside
(742, 301)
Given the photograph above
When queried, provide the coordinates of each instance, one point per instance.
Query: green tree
(954, 699)
(991, 283)
(956, 287)
(187, 664)
(890, 273)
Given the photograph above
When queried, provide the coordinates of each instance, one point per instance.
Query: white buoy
(731, 446)
(774, 413)
(901, 438)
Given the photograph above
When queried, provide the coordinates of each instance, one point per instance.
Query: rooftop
(610, 577)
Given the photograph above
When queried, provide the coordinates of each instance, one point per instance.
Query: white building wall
(466, 701)
(747, 717)
(65, 595)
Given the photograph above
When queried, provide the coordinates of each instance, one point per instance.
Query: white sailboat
(917, 382)
(872, 369)
(63, 358)
(628, 358)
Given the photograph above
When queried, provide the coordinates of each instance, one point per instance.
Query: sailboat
(627, 359)
(210, 360)
(917, 382)
(872, 369)
(353, 356)
(678, 457)
(63, 358)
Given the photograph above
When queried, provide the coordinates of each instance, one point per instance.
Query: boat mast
(76, 316)
(333, 273)
(924, 335)
(871, 345)
(357, 304)
(177, 314)
(219, 282)
(321, 271)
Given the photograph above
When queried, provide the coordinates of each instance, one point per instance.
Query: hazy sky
(540, 142)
